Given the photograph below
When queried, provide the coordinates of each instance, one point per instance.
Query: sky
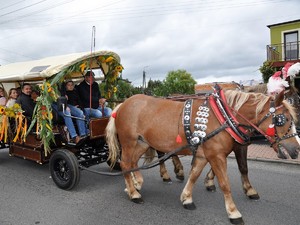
(213, 40)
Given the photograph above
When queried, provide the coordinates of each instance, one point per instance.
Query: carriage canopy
(74, 64)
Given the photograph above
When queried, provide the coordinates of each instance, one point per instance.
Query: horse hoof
(237, 221)
(254, 197)
(181, 178)
(167, 180)
(137, 200)
(211, 188)
(190, 206)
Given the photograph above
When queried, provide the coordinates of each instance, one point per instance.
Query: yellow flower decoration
(115, 89)
(82, 67)
(109, 59)
(2, 110)
(119, 68)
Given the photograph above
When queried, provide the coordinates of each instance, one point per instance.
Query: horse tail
(149, 155)
(112, 139)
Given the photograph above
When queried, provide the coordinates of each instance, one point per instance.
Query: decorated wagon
(46, 138)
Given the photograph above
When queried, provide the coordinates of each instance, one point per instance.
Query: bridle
(278, 120)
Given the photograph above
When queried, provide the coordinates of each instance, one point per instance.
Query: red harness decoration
(216, 109)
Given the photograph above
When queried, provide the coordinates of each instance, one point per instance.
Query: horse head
(292, 97)
(279, 126)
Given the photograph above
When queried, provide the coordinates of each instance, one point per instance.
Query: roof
(47, 67)
(283, 23)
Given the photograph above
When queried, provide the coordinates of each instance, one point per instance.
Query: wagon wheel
(64, 169)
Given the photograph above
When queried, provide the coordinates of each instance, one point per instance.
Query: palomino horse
(135, 129)
(240, 151)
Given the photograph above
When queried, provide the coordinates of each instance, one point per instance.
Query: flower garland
(42, 114)
(20, 120)
(110, 81)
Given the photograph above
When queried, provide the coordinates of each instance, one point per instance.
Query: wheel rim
(62, 170)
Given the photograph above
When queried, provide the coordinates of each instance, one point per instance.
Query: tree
(154, 88)
(267, 70)
(178, 82)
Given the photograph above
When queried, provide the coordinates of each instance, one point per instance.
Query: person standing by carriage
(89, 94)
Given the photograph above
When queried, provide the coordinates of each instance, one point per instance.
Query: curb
(283, 161)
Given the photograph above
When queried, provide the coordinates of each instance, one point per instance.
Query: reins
(143, 167)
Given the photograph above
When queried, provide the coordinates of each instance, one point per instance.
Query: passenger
(106, 111)
(84, 95)
(35, 94)
(2, 96)
(73, 104)
(26, 102)
(12, 97)
(75, 139)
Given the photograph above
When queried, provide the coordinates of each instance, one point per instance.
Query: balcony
(282, 53)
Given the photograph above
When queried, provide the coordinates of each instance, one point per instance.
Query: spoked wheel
(64, 169)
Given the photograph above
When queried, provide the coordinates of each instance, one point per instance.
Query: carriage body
(64, 159)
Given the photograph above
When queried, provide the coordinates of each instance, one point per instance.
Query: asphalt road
(28, 196)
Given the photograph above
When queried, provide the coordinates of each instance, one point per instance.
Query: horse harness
(240, 132)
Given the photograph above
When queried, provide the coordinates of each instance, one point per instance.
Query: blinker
(280, 120)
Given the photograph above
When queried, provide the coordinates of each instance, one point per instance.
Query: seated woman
(12, 97)
(2, 96)
(75, 139)
(73, 104)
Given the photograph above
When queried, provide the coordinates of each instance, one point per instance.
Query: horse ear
(279, 98)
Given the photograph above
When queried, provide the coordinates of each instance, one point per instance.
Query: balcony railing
(283, 51)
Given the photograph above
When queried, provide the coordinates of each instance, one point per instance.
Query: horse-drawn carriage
(47, 140)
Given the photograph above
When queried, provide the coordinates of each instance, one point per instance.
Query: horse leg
(178, 168)
(131, 154)
(209, 181)
(219, 166)
(186, 195)
(240, 152)
(162, 169)
(137, 179)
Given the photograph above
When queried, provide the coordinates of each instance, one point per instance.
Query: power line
(22, 8)
(5, 7)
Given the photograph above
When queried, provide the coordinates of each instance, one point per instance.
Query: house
(285, 43)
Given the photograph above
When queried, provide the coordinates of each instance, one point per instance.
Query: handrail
(283, 51)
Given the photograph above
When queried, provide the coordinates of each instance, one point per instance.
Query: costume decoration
(195, 138)
(277, 82)
(271, 130)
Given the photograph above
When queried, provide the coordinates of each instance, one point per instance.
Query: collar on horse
(225, 116)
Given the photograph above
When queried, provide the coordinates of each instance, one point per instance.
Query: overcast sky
(214, 40)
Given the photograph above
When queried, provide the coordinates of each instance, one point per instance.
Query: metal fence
(283, 51)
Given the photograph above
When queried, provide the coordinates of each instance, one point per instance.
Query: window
(291, 50)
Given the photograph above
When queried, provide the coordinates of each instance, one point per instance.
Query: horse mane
(291, 109)
(237, 99)
(259, 88)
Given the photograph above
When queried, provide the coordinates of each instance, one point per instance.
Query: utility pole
(144, 78)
